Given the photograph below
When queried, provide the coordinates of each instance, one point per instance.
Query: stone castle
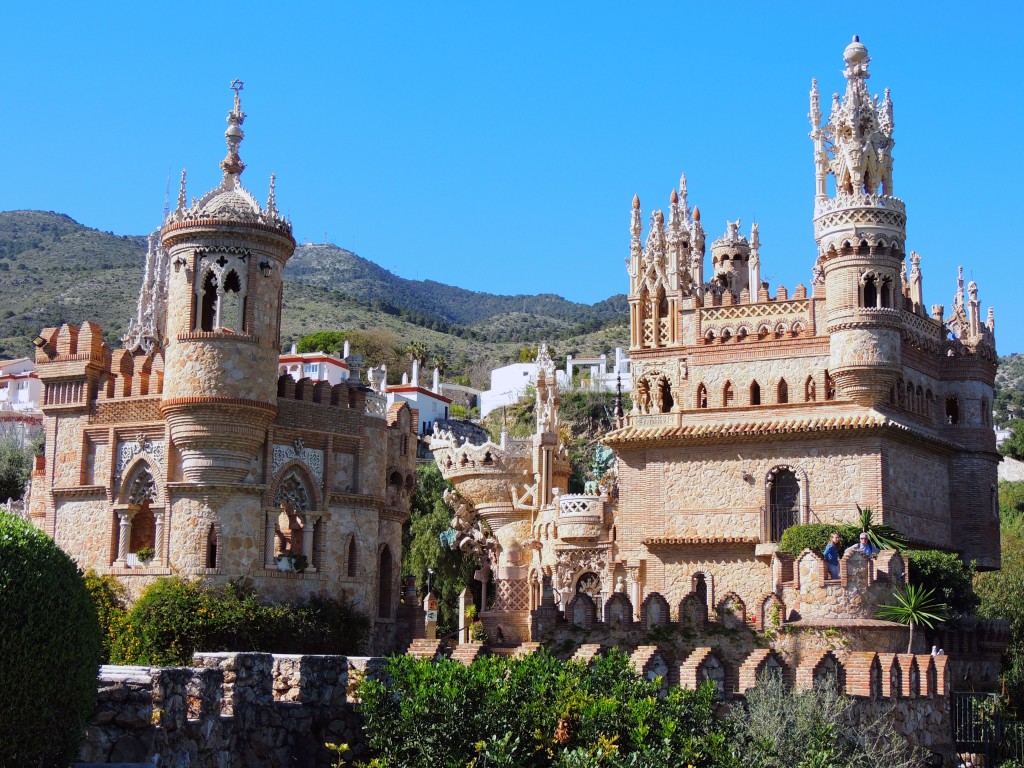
(187, 452)
(755, 410)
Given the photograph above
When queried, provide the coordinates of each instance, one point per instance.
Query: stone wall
(231, 709)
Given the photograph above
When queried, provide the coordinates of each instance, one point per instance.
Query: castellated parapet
(187, 443)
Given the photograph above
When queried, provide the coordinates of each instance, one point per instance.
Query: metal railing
(977, 726)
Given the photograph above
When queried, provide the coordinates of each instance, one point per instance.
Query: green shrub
(175, 618)
(815, 536)
(49, 647)
(109, 598)
(946, 573)
(536, 711)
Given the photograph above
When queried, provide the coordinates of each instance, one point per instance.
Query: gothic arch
(702, 584)
(786, 505)
(213, 551)
(755, 393)
(728, 394)
(291, 482)
(810, 393)
(141, 476)
(782, 392)
(702, 396)
(351, 557)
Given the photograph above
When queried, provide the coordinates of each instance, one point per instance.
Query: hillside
(54, 270)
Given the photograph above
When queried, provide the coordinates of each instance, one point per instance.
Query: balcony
(580, 516)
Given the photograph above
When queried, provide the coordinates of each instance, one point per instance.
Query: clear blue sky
(498, 146)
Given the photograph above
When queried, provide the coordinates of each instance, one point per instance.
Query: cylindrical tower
(861, 231)
(227, 258)
(730, 260)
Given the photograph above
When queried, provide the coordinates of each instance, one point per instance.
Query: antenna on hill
(167, 194)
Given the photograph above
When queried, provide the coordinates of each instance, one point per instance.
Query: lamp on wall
(178, 263)
(266, 268)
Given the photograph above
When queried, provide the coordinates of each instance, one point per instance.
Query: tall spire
(272, 196)
(182, 197)
(232, 164)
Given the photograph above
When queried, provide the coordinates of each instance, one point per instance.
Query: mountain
(55, 270)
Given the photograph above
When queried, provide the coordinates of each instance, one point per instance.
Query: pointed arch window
(352, 553)
(755, 393)
(783, 391)
(952, 410)
(208, 303)
(727, 394)
(140, 486)
(294, 491)
(809, 390)
(702, 396)
(830, 387)
(870, 292)
(212, 547)
(221, 290)
(785, 503)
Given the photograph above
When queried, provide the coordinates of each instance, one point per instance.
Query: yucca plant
(914, 605)
(880, 536)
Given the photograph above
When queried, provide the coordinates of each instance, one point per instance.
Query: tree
(1013, 446)
(330, 342)
(881, 536)
(16, 464)
(418, 351)
(430, 516)
(914, 605)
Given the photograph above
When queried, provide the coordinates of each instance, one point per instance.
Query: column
(268, 543)
(124, 535)
(633, 576)
(308, 527)
(158, 537)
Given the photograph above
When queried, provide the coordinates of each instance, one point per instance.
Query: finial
(272, 197)
(674, 197)
(636, 202)
(232, 164)
(182, 198)
(618, 395)
(696, 213)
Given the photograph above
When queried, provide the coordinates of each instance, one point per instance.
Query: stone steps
(426, 649)
(467, 653)
(587, 652)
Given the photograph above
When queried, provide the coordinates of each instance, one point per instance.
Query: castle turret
(730, 259)
(861, 231)
(227, 257)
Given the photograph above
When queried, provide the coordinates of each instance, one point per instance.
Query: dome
(855, 52)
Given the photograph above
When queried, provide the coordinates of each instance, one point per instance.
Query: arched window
(212, 548)
(755, 393)
(809, 390)
(700, 588)
(886, 295)
(984, 412)
(231, 303)
(140, 487)
(352, 562)
(830, 387)
(952, 410)
(384, 587)
(727, 394)
(783, 501)
(783, 391)
(663, 395)
(208, 302)
(294, 491)
(702, 396)
(870, 292)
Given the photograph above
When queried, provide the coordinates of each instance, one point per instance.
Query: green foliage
(330, 342)
(881, 536)
(815, 536)
(175, 618)
(1000, 591)
(536, 711)
(49, 646)
(1013, 446)
(16, 457)
(526, 354)
(914, 605)
(782, 728)
(946, 573)
(421, 549)
(110, 598)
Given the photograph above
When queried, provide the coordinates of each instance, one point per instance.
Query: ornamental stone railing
(580, 516)
(841, 201)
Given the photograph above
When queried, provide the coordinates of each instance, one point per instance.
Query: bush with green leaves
(110, 598)
(49, 647)
(814, 536)
(174, 618)
(946, 573)
(536, 711)
(783, 728)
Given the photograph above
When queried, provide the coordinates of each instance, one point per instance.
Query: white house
(317, 366)
(430, 403)
(20, 394)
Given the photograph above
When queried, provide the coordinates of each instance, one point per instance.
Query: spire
(635, 226)
(232, 164)
(855, 142)
(182, 197)
(682, 195)
(272, 197)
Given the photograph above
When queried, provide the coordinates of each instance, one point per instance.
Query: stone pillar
(308, 527)
(269, 542)
(635, 589)
(465, 600)
(158, 537)
(430, 606)
(124, 535)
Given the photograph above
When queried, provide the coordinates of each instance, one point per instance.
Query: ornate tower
(860, 230)
(730, 260)
(227, 257)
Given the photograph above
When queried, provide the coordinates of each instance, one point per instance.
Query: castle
(187, 451)
(754, 411)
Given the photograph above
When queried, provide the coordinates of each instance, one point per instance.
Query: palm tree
(418, 351)
(880, 536)
(914, 605)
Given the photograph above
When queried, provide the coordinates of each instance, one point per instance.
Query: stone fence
(230, 709)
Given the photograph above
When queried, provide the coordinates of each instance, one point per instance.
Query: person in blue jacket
(832, 555)
(864, 545)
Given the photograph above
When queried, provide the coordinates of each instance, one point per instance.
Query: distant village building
(197, 445)
(430, 404)
(20, 395)
(509, 383)
(753, 410)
